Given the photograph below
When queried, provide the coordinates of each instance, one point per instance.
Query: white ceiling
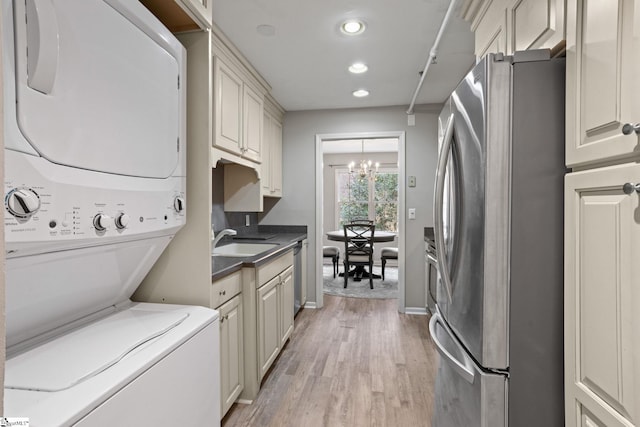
(306, 59)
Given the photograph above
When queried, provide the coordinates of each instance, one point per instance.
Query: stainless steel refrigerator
(498, 213)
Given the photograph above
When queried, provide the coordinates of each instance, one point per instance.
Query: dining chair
(385, 254)
(334, 253)
(358, 249)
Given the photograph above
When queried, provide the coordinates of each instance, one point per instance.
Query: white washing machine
(94, 121)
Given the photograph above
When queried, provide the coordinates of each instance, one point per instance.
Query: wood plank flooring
(355, 362)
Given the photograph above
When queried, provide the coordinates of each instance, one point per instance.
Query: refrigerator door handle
(439, 205)
(465, 367)
(432, 260)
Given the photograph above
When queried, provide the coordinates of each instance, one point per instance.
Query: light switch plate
(412, 213)
(412, 181)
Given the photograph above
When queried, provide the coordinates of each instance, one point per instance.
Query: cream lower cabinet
(268, 297)
(268, 325)
(602, 298)
(286, 298)
(226, 297)
(275, 318)
(231, 352)
(303, 273)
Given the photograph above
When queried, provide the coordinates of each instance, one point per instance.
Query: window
(375, 199)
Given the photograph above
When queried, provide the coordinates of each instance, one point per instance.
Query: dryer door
(94, 90)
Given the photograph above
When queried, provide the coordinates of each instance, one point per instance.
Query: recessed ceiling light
(358, 67)
(352, 27)
(361, 93)
(266, 30)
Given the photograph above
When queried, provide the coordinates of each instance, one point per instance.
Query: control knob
(101, 222)
(178, 204)
(122, 221)
(22, 202)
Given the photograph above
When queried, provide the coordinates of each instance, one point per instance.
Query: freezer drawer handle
(465, 370)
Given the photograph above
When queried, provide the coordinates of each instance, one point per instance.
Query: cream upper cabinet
(229, 108)
(490, 28)
(536, 24)
(509, 25)
(276, 159)
(272, 157)
(265, 176)
(602, 298)
(253, 105)
(238, 113)
(603, 76)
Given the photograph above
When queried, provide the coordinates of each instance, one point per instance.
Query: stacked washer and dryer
(94, 129)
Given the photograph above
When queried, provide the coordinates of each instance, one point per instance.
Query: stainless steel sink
(243, 249)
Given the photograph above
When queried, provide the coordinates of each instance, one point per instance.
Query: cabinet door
(537, 24)
(491, 29)
(268, 325)
(231, 352)
(253, 116)
(228, 108)
(286, 294)
(603, 74)
(276, 159)
(265, 176)
(303, 273)
(602, 298)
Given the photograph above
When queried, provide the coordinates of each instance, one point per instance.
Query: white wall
(297, 205)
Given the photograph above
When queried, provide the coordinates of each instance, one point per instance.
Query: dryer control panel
(52, 207)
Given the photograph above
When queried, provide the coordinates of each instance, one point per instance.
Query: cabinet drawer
(268, 271)
(224, 289)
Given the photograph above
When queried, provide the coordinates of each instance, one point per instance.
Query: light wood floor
(355, 362)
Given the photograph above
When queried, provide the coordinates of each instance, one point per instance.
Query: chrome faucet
(221, 234)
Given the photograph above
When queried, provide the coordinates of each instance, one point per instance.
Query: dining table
(358, 272)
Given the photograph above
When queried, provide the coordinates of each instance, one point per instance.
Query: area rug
(382, 289)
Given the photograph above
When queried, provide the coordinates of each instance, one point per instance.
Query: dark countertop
(222, 266)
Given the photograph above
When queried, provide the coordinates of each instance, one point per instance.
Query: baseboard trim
(310, 304)
(421, 311)
(244, 401)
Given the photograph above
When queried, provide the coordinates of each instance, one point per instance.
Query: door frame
(320, 138)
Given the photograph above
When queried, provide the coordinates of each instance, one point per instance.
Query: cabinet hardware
(628, 128)
(630, 187)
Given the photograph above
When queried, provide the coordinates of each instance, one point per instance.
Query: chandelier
(366, 168)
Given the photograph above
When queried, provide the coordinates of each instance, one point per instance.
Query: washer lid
(83, 353)
(95, 90)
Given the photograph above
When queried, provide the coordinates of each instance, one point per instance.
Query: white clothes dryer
(95, 171)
